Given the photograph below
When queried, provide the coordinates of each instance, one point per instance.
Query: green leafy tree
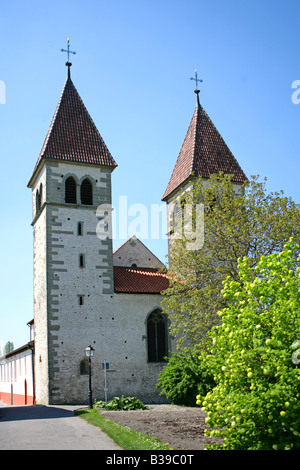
(9, 347)
(249, 223)
(183, 378)
(255, 355)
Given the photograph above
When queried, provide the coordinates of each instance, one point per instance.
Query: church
(86, 294)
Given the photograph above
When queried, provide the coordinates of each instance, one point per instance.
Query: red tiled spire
(203, 153)
(72, 135)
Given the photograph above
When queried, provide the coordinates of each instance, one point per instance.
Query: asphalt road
(49, 428)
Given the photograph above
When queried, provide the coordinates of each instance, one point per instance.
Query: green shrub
(123, 403)
(254, 357)
(183, 378)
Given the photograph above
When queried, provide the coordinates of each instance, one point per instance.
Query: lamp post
(89, 351)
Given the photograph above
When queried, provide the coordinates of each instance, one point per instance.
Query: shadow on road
(15, 413)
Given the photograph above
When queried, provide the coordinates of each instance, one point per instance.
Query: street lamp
(89, 351)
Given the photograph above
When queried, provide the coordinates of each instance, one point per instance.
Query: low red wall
(17, 399)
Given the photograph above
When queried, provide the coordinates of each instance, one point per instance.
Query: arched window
(38, 198)
(157, 336)
(84, 367)
(177, 218)
(37, 201)
(70, 190)
(81, 261)
(86, 192)
(79, 228)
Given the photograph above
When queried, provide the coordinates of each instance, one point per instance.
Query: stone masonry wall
(76, 306)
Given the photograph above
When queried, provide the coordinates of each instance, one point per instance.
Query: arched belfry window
(70, 190)
(86, 192)
(157, 336)
(38, 198)
(37, 201)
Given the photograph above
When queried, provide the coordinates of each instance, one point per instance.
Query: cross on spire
(197, 91)
(68, 63)
(196, 79)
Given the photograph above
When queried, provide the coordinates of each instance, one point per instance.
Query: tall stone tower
(84, 294)
(72, 267)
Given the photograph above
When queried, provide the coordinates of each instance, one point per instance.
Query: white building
(16, 374)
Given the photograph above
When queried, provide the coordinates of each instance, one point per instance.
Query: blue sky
(132, 69)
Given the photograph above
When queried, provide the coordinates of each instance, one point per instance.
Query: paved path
(49, 428)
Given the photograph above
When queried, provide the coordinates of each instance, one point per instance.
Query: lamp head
(89, 351)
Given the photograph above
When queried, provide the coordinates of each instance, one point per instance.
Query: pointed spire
(72, 135)
(203, 152)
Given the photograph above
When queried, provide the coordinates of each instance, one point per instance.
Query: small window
(84, 367)
(177, 215)
(171, 222)
(81, 261)
(80, 228)
(182, 208)
(86, 192)
(38, 198)
(80, 299)
(40, 195)
(70, 190)
(37, 201)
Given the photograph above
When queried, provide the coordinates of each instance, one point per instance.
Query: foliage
(183, 378)
(9, 347)
(126, 438)
(249, 223)
(254, 357)
(123, 403)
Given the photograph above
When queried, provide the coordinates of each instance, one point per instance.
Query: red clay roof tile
(139, 281)
(72, 135)
(203, 153)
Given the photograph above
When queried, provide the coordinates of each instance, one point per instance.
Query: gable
(134, 253)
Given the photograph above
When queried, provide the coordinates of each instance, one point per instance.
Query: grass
(126, 438)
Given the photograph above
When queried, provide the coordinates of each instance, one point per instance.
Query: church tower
(84, 293)
(72, 267)
(202, 153)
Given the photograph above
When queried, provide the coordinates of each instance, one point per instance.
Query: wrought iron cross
(196, 78)
(68, 51)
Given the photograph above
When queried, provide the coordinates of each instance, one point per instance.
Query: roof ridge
(197, 108)
(182, 148)
(53, 120)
